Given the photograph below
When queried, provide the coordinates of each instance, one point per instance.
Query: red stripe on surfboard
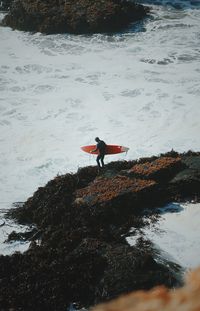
(110, 149)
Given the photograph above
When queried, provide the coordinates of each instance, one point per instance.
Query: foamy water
(176, 233)
(6, 227)
(58, 92)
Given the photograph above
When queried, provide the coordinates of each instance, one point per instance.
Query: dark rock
(14, 236)
(50, 278)
(131, 268)
(187, 181)
(192, 161)
(86, 175)
(5, 4)
(38, 209)
(82, 220)
(79, 17)
(120, 165)
(24, 236)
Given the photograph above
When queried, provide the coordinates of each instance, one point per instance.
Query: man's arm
(94, 149)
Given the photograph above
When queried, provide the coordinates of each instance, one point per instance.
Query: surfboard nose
(124, 149)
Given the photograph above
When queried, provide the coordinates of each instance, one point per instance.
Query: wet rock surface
(78, 251)
(78, 17)
(5, 5)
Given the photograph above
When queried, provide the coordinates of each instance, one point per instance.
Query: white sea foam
(180, 4)
(177, 233)
(6, 227)
(58, 92)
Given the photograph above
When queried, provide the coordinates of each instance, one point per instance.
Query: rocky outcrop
(161, 169)
(160, 298)
(78, 251)
(5, 5)
(51, 277)
(69, 16)
(187, 180)
(107, 191)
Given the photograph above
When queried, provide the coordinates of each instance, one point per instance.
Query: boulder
(69, 16)
(187, 181)
(116, 191)
(50, 278)
(160, 298)
(161, 169)
(5, 5)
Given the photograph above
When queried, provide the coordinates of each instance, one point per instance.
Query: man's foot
(101, 169)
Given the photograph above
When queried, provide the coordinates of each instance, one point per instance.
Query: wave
(178, 4)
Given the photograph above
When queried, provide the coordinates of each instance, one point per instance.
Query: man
(101, 148)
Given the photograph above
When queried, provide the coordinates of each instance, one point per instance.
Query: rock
(5, 5)
(45, 206)
(129, 268)
(78, 17)
(47, 278)
(82, 220)
(160, 298)
(161, 169)
(187, 181)
(113, 191)
(23, 236)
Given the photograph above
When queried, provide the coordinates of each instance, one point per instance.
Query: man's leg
(102, 158)
(98, 158)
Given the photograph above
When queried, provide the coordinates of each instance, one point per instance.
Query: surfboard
(110, 149)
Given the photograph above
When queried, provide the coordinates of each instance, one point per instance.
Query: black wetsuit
(101, 147)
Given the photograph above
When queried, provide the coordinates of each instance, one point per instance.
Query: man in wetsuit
(101, 148)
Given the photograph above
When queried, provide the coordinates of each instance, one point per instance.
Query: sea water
(176, 233)
(138, 88)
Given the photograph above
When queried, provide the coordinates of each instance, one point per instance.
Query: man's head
(97, 139)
